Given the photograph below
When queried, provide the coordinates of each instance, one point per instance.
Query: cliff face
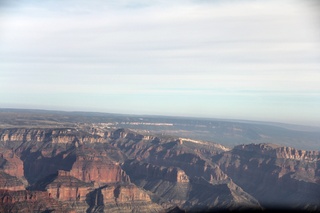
(89, 170)
(194, 193)
(174, 154)
(285, 176)
(30, 201)
(65, 187)
(277, 151)
(150, 171)
(61, 135)
(176, 172)
(64, 164)
(99, 169)
(123, 198)
(83, 196)
(19, 135)
(9, 182)
(125, 193)
(10, 163)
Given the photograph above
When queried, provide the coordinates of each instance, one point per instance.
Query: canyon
(88, 169)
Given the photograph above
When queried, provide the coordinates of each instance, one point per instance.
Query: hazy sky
(255, 60)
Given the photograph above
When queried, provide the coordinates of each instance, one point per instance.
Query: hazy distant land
(226, 132)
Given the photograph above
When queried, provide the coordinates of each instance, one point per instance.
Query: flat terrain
(226, 132)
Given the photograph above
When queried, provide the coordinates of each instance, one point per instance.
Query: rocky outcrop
(30, 201)
(61, 135)
(8, 182)
(126, 134)
(207, 187)
(123, 198)
(148, 171)
(71, 135)
(23, 135)
(11, 164)
(182, 157)
(37, 166)
(279, 176)
(97, 168)
(198, 195)
(89, 170)
(295, 154)
(65, 187)
(277, 151)
(172, 154)
(206, 196)
(125, 193)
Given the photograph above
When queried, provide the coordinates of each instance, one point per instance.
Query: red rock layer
(30, 201)
(124, 193)
(12, 164)
(9, 182)
(68, 188)
(99, 169)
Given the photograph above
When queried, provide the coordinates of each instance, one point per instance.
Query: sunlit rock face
(98, 169)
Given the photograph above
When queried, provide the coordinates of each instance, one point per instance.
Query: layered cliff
(9, 182)
(173, 154)
(122, 197)
(30, 201)
(90, 170)
(148, 171)
(10, 163)
(279, 176)
(277, 151)
(99, 169)
(59, 135)
(64, 164)
(171, 186)
(64, 187)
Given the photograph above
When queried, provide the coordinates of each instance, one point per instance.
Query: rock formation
(10, 163)
(97, 168)
(8, 182)
(279, 176)
(90, 170)
(30, 201)
(123, 197)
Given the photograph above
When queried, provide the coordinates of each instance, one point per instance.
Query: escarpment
(62, 186)
(119, 170)
(10, 163)
(30, 201)
(59, 135)
(149, 171)
(98, 169)
(122, 197)
(64, 165)
(8, 182)
(176, 173)
(277, 151)
(285, 176)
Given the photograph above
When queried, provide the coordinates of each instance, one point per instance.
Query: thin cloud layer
(206, 57)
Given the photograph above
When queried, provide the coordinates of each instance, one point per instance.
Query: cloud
(144, 48)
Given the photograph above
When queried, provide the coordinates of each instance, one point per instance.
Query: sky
(246, 59)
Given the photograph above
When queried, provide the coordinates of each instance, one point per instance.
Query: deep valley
(75, 166)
